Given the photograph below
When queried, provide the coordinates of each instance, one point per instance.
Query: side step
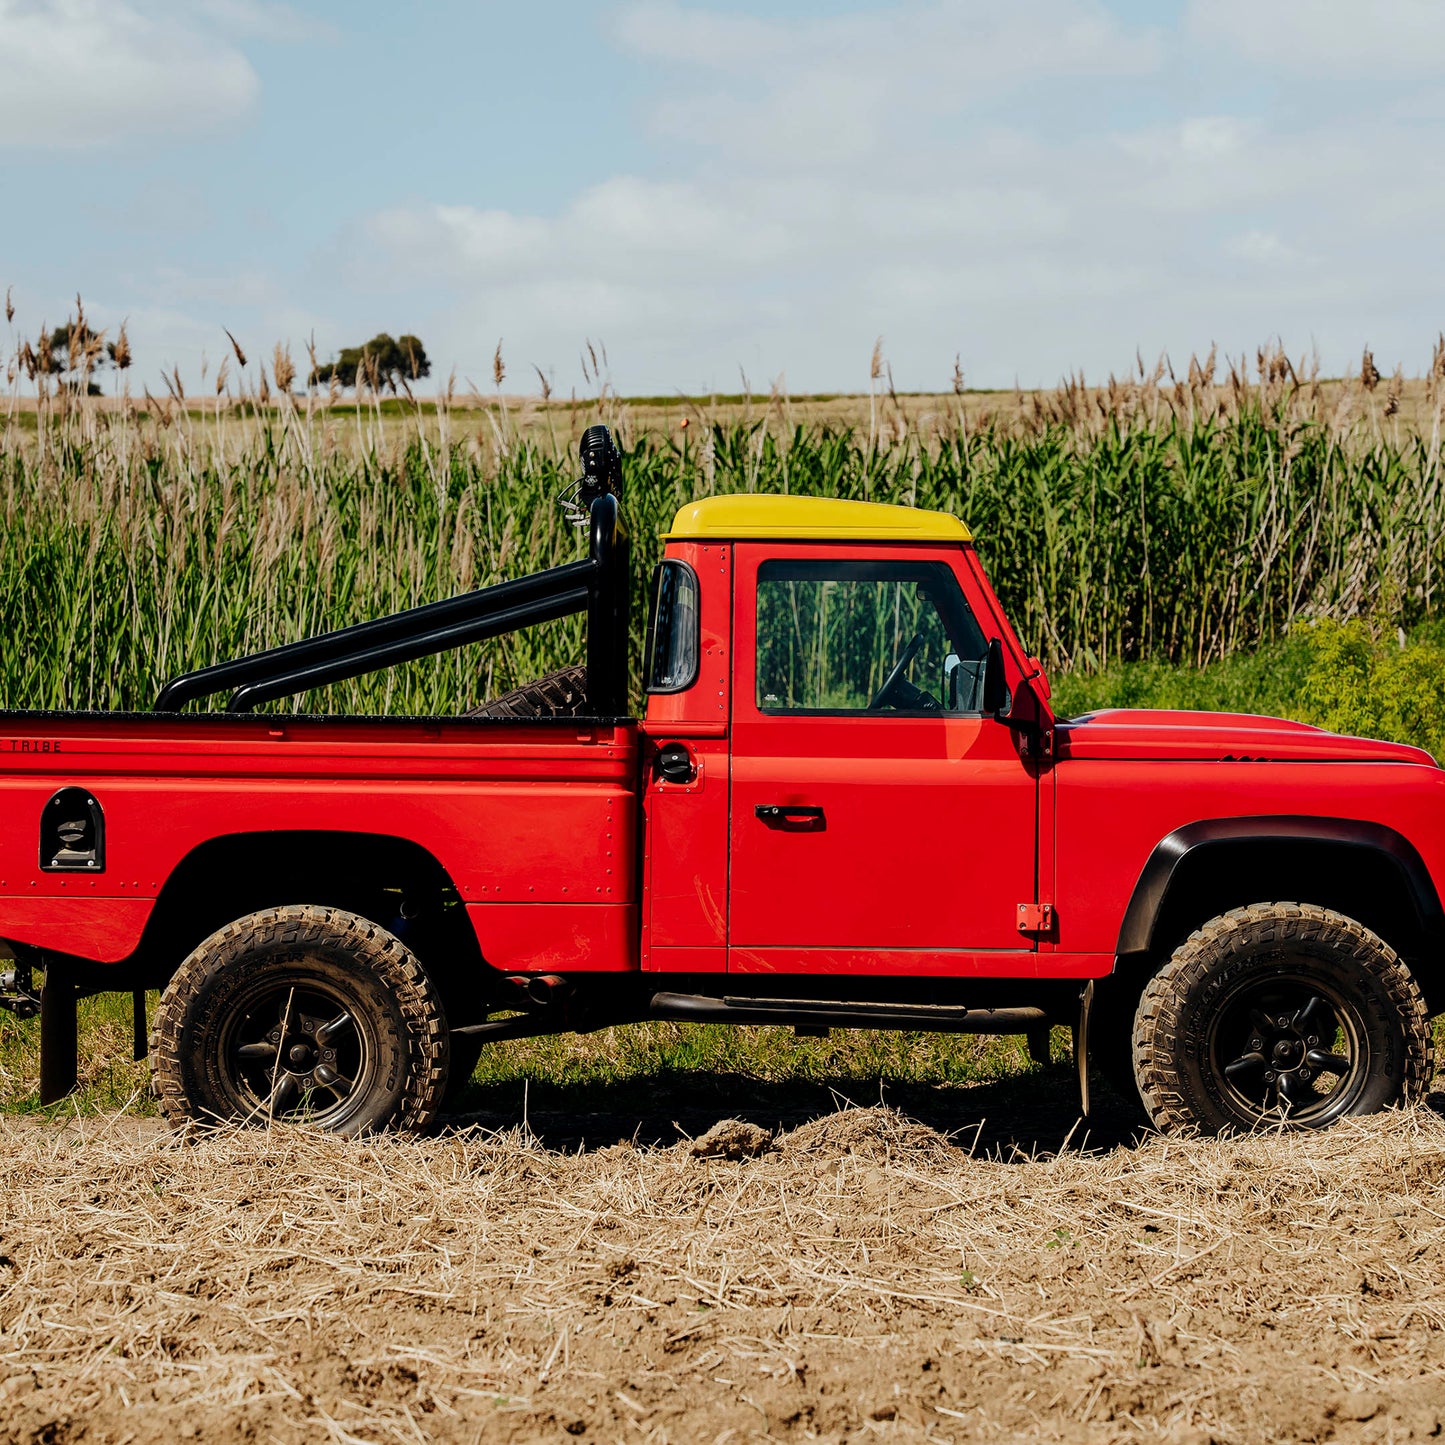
(829, 1013)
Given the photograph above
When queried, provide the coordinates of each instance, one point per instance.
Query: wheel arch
(1366, 870)
(391, 880)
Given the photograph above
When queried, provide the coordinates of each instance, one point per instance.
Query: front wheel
(302, 1014)
(1279, 1013)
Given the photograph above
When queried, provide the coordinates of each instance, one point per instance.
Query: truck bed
(532, 822)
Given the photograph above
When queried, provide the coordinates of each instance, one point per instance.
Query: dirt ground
(856, 1275)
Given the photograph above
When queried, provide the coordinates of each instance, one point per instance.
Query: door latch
(1036, 917)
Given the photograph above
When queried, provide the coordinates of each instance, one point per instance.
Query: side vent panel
(72, 833)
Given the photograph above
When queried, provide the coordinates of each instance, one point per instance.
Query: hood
(1218, 736)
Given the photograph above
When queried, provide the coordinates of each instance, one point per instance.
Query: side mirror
(996, 699)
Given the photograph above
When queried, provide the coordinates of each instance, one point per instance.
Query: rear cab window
(673, 648)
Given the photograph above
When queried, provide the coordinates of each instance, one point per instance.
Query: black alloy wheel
(1284, 1045)
(1279, 1015)
(302, 1014)
(299, 1053)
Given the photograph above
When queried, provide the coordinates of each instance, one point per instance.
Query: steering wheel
(891, 683)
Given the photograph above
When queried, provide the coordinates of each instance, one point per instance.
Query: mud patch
(732, 1139)
(878, 1134)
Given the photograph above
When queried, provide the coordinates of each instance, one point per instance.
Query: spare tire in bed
(559, 694)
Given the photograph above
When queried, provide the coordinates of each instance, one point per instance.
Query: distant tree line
(384, 363)
(75, 352)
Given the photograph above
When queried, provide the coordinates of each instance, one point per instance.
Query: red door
(878, 820)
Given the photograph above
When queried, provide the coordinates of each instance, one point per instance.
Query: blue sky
(715, 189)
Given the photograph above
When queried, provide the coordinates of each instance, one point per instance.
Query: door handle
(799, 817)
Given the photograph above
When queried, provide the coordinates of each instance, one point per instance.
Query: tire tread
(1164, 996)
(297, 926)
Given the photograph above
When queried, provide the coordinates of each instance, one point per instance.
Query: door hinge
(1036, 917)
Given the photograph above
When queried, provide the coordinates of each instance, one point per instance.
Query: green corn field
(1178, 521)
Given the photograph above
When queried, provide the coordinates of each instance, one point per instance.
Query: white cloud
(1031, 253)
(1213, 137)
(944, 45)
(1313, 35)
(845, 89)
(1262, 248)
(247, 287)
(1038, 185)
(686, 280)
(623, 228)
(89, 72)
(262, 20)
(491, 241)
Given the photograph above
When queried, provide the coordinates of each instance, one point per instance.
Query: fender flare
(1136, 933)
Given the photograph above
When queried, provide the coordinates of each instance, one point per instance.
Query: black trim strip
(827, 1013)
(271, 720)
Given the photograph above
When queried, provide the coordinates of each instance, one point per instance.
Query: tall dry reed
(1174, 518)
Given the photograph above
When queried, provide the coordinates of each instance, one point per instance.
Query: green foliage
(1342, 676)
(129, 553)
(1364, 684)
(76, 350)
(383, 363)
(1267, 681)
(108, 1079)
(632, 1062)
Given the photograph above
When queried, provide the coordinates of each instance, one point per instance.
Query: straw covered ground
(858, 1275)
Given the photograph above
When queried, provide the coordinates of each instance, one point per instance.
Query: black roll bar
(599, 585)
(607, 607)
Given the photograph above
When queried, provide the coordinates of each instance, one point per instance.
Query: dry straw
(862, 1274)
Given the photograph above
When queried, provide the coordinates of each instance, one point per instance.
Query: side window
(674, 641)
(869, 637)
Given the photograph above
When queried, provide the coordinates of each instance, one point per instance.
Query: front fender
(1136, 933)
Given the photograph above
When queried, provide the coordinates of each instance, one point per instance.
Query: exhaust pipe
(543, 989)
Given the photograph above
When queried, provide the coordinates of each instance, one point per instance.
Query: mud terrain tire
(1279, 1014)
(559, 694)
(303, 1014)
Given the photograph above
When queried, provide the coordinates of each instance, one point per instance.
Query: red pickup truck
(848, 805)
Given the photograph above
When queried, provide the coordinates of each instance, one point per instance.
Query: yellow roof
(820, 519)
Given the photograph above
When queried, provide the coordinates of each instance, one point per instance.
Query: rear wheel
(1279, 1013)
(303, 1014)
